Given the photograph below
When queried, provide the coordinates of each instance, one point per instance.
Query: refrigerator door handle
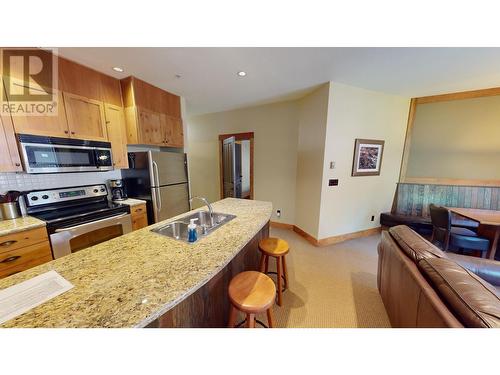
(156, 178)
(157, 183)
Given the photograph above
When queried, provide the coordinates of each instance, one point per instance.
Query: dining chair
(456, 237)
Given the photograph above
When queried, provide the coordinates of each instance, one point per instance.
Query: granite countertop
(19, 224)
(132, 201)
(131, 280)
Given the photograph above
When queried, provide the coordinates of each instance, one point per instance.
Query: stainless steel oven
(78, 217)
(56, 155)
(69, 240)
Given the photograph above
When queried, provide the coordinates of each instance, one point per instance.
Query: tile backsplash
(24, 181)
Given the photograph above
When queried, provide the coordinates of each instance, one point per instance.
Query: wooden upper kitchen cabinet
(85, 117)
(54, 125)
(9, 154)
(153, 116)
(83, 81)
(173, 133)
(115, 125)
(82, 95)
(151, 125)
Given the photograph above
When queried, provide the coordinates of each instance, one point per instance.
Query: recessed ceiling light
(118, 69)
(242, 74)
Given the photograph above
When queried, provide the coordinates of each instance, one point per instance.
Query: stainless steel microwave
(55, 155)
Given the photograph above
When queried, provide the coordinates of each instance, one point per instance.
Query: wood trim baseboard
(277, 224)
(449, 181)
(336, 239)
(306, 235)
(348, 236)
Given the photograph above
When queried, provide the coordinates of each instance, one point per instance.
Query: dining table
(489, 224)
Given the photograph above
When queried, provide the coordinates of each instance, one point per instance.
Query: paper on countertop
(24, 296)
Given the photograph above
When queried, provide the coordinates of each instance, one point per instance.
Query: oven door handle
(93, 223)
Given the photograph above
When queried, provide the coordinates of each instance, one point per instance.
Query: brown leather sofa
(422, 286)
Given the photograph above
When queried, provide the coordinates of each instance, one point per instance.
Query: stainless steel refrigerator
(159, 178)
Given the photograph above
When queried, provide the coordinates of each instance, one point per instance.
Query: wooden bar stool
(276, 248)
(251, 292)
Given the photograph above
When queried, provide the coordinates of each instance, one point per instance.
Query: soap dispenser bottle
(192, 234)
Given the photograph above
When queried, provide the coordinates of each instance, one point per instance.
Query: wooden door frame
(239, 137)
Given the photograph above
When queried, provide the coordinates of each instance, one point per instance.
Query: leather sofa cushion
(473, 300)
(486, 269)
(414, 245)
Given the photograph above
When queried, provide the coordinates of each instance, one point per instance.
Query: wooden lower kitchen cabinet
(22, 250)
(139, 216)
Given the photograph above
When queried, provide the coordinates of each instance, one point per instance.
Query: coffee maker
(117, 190)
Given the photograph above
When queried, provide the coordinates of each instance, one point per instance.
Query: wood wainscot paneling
(208, 307)
(414, 199)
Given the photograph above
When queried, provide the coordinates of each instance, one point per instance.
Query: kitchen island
(146, 279)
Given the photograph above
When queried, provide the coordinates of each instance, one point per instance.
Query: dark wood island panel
(208, 307)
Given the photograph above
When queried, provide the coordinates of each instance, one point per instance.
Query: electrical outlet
(373, 218)
(278, 213)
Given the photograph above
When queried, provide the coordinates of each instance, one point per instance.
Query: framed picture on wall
(367, 157)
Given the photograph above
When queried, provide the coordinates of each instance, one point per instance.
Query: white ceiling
(210, 84)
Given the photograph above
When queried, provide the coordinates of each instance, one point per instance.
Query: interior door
(238, 173)
(229, 166)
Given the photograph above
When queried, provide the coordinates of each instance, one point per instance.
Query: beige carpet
(330, 287)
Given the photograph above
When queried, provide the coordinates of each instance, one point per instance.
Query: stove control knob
(102, 190)
(45, 196)
(96, 190)
(34, 198)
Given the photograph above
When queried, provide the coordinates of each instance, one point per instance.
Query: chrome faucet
(210, 210)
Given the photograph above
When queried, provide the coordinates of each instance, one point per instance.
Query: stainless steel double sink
(178, 229)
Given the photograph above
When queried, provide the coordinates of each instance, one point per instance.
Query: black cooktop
(63, 217)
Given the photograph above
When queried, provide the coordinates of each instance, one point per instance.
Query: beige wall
(313, 110)
(456, 139)
(275, 149)
(358, 113)
(294, 144)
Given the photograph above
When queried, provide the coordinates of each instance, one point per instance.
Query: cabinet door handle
(72, 132)
(18, 164)
(10, 259)
(66, 132)
(8, 243)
